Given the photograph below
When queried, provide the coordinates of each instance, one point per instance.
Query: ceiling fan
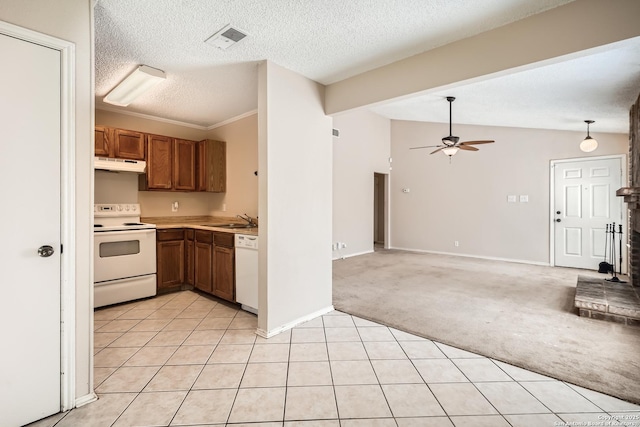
(450, 144)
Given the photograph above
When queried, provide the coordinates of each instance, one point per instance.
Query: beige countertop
(199, 223)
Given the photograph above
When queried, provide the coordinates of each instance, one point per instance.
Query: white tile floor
(184, 359)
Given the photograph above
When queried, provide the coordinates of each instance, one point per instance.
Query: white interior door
(30, 170)
(585, 201)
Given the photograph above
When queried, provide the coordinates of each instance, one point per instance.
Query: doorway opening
(379, 210)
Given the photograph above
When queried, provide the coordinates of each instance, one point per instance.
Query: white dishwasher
(247, 272)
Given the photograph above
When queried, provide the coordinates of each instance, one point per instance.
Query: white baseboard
(81, 401)
(352, 255)
(287, 326)
(519, 261)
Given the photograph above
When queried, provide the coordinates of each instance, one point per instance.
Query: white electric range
(124, 254)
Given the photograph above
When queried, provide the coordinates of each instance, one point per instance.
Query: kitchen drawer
(204, 236)
(223, 239)
(171, 234)
(189, 233)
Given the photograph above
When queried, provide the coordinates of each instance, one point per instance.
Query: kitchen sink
(231, 226)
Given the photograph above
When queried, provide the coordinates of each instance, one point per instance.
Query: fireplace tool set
(610, 253)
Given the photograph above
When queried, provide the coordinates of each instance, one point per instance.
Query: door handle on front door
(45, 251)
(558, 212)
(558, 220)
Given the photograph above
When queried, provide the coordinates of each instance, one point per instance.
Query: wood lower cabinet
(203, 257)
(189, 257)
(170, 259)
(224, 284)
(200, 258)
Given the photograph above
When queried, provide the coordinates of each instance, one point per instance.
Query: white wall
(294, 146)
(72, 20)
(466, 200)
(362, 149)
(115, 187)
(242, 161)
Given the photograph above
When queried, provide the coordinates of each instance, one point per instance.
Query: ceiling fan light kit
(588, 144)
(451, 144)
(450, 151)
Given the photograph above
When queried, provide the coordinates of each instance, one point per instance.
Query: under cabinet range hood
(119, 165)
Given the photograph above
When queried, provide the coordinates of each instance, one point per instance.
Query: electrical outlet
(224, 207)
(343, 245)
(456, 243)
(174, 207)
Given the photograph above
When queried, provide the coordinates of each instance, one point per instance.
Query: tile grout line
(421, 377)
(197, 376)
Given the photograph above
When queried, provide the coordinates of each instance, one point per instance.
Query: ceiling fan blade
(426, 146)
(467, 147)
(439, 149)
(488, 141)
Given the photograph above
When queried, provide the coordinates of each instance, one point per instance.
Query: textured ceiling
(326, 41)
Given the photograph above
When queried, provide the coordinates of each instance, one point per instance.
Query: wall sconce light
(588, 144)
(135, 84)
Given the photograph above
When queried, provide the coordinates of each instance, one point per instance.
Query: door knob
(45, 251)
(558, 212)
(558, 220)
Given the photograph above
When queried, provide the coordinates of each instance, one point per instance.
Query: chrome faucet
(247, 218)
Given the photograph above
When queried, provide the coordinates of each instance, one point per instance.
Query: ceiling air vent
(226, 37)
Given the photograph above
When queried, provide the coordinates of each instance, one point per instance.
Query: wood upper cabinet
(203, 257)
(119, 143)
(212, 166)
(184, 165)
(171, 164)
(103, 141)
(159, 174)
(170, 258)
(128, 144)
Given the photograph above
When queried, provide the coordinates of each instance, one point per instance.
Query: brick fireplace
(631, 194)
(620, 302)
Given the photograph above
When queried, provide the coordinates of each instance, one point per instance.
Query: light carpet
(517, 313)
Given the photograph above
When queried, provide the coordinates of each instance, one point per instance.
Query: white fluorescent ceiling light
(141, 80)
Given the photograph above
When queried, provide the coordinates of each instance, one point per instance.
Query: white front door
(30, 170)
(584, 202)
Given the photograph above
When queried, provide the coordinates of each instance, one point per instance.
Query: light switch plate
(524, 199)
(511, 198)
